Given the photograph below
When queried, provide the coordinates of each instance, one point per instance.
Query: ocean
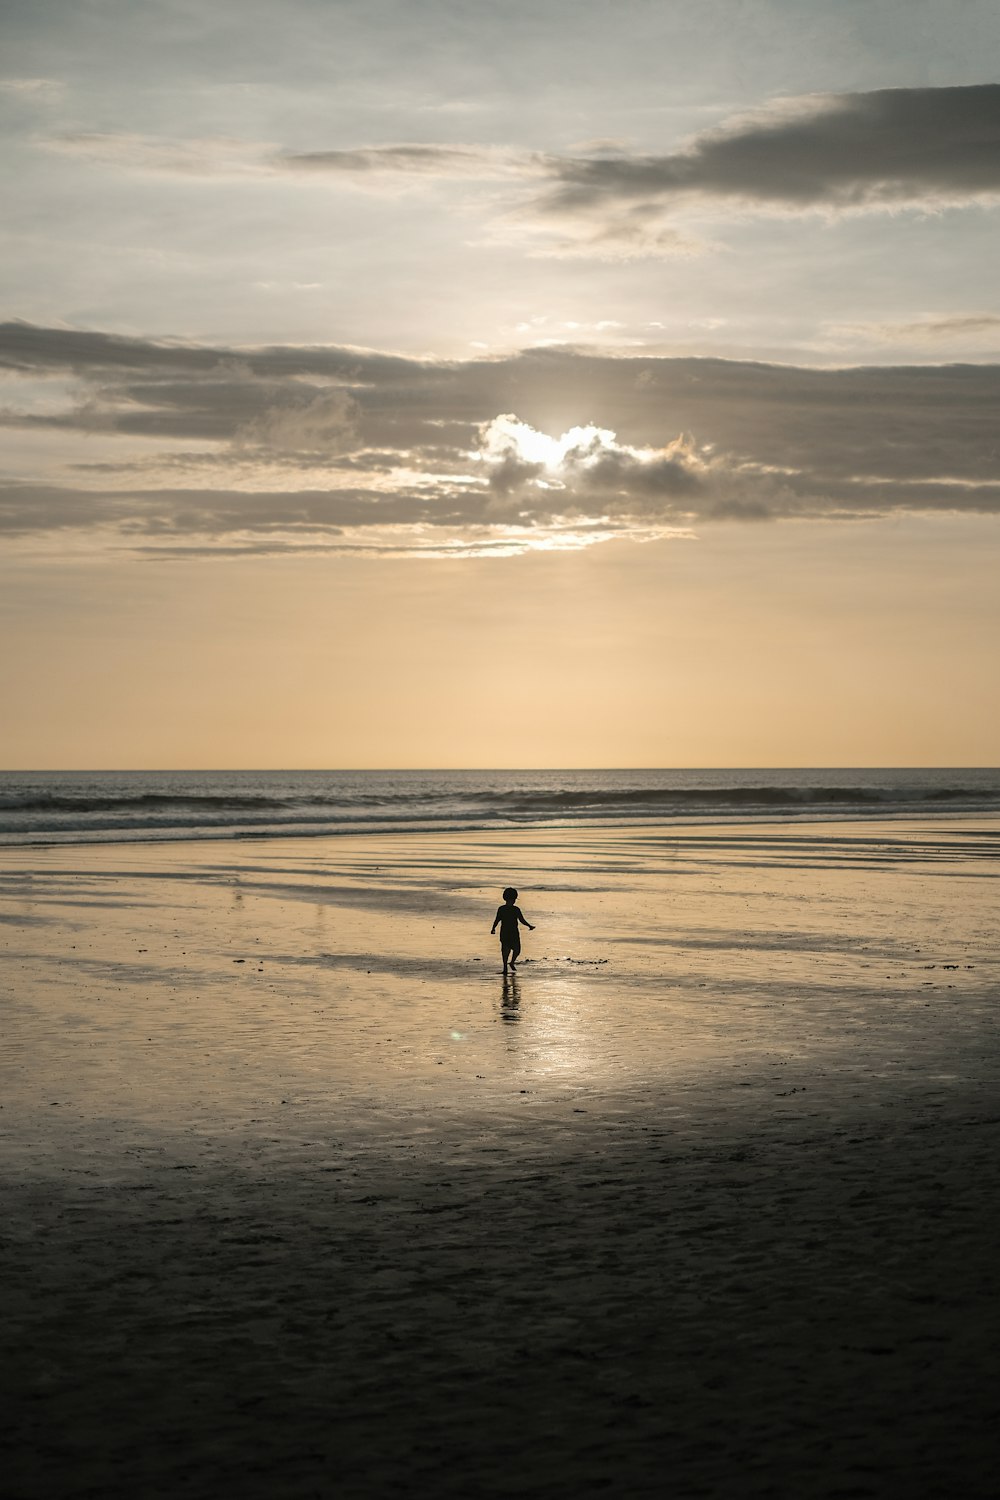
(126, 806)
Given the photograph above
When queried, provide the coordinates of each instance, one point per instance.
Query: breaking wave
(75, 807)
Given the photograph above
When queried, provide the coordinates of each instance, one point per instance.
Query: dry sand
(300, 1200)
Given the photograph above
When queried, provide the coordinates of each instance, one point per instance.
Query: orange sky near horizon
(805, 644)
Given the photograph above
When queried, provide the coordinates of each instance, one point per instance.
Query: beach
(301, 1197)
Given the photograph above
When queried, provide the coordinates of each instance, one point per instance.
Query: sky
(438, 383)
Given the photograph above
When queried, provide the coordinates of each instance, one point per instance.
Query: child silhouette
(508, 916)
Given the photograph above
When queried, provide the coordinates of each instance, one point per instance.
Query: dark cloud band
(367, 441)
(841, 151)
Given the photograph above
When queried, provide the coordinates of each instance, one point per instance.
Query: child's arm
(523, 919)
(496, 919)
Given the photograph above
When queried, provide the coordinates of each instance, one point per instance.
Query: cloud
(833, 153)
(361, 166)
(319, 424)
(955, 327)
(634, 231)
(830, 153)
(840, 151)
(586, 463)
(28, 346)
(31, 88)
(851, 151)
(432, 520)
(551, 447)
(192, 157)
(936, 328)
(221, 512)
(417, 160)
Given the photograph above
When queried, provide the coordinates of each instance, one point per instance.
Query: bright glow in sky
(505, 435)
(351, 349)
(585, 447)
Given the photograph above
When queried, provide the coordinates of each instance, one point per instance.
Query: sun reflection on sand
(554, 1039)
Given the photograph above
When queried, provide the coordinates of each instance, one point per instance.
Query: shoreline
(987, 824)
(810, 817)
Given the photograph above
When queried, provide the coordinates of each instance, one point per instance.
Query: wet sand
(300, 1199)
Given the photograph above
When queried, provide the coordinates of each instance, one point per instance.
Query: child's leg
(515, 952)
(504, 954)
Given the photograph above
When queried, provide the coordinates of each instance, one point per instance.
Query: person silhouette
(507, 918)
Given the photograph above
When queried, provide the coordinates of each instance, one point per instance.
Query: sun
(508, 436)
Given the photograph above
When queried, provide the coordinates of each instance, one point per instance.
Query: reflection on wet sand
(510, 999)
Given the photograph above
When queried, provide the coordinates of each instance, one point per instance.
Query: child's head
(510, 894)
